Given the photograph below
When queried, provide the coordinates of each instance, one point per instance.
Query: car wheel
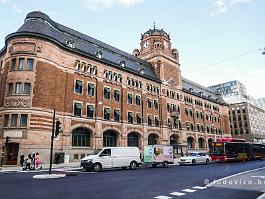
(154, 165)
(207, 161)
(165, 164)
(193, 162)
(133, 165)
(97, 167)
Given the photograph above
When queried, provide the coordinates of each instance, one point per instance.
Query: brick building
(102, 95)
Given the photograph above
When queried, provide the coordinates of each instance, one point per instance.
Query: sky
(217, 40)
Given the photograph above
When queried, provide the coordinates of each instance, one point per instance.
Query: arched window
(201, 143)
(190, 142)
(81, 137)
(152, 139)
(133, 139)
(109, 139)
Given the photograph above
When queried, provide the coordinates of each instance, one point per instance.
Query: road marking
(177, 194)
(189, 190)
(216, 181)
(199, 187)
(163, 197)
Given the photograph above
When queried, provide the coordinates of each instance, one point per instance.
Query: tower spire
(154, 25)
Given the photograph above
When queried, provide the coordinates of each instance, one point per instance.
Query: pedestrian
(33, 160)
(28, 162)
(21, 160)
(37, 161)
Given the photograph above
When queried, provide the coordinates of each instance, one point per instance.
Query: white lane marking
(189, 190)
(177, 194)
(199, 187)
(162, 197)
(216, 181)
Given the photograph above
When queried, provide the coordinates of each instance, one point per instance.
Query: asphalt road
(143, 183)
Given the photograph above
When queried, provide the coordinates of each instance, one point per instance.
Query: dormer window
(70, 43)
(122, 63)
(201, 93)
(99, 54)
(191, 90)
(209, 96)
(141, 70)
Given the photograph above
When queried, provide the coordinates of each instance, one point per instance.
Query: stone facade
(99, 102)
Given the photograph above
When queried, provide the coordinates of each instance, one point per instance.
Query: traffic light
(57, 128)
(7, 140)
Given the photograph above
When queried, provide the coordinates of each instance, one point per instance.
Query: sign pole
(52, 137)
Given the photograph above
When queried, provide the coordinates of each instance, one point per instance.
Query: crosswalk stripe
(177, 193)
(189, 190)
(163, 197)
(199, 187)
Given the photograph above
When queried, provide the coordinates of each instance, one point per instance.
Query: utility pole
(52, 137)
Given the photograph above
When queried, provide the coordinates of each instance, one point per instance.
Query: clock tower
(155, 47)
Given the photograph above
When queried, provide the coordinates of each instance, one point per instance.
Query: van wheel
(97, 167)
(207, 161)
(133, 165)
(165, 164)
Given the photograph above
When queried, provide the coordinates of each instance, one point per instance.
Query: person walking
(21, 162)
(37, 161)
(28, 162)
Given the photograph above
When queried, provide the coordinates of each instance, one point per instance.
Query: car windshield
(192, 154)
(96, 152)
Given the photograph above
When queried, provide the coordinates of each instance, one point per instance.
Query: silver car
(195, 158)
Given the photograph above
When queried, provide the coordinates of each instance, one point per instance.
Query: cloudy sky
(218, 40)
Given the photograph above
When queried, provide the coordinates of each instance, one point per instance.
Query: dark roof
(40, 25)
(201, 91)
(155, 32)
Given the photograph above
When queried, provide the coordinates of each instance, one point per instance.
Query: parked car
(112, 157)
(158, 155)
(195, 158)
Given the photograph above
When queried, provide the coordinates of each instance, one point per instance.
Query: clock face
(146, 44)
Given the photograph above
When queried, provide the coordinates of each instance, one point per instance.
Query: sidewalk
(72, 165)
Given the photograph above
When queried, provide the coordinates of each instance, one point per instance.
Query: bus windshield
(217, 148)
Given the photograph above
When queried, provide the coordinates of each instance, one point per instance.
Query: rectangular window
(91, 89)
(24, 120)
(116, 95)
(156, 121)
(117, 115)
(13, 64)
(107, 93)
(18, 88)
(138, 100)
(106, 113)
(21, 62)
(30, 64)
(78, 86)
(14, 120)
(156, 104)
(27, 88)
(130, 100)
(130, 117)
(138, 119)
(90, 111)
(10, 88)
(149, 121)
(6, 120)
(77, 109)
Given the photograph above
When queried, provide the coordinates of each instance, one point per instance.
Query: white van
(112, 157)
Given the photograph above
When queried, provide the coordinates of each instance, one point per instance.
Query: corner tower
(156, 48)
